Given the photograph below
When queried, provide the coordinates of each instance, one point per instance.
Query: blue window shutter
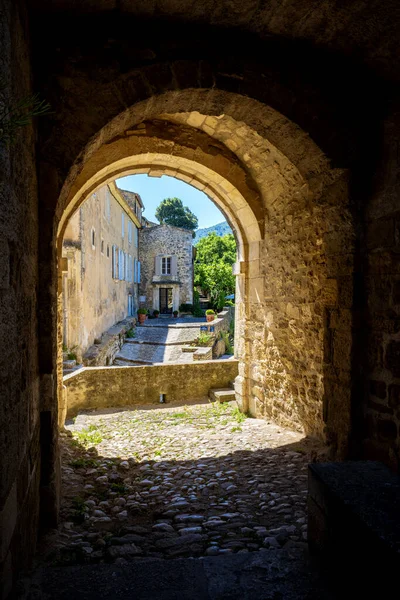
(138, 277)
(114, 262)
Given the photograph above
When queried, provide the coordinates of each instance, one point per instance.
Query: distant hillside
(220, 229)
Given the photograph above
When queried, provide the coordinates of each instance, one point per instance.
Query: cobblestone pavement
(160, 340)
(173, 481)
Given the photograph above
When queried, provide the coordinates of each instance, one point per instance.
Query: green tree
(215, 256)
(172, 212)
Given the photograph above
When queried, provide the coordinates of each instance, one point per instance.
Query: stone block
(353, 524)
(380, 233)
(378, 389)
(203, 354)
(392, 358)
(394, 396)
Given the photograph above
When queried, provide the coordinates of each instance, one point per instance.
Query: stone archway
(290, 210)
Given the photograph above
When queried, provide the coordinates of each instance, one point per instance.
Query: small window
(108, 251)
(93, 238)
(102, 246)
(166, 265)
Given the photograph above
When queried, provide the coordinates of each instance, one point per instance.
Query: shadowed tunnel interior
(289, 114)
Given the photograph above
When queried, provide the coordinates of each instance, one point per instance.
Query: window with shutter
(130, 231)
(174, 265)
(126, 258)
(166, 265)
(138, 271)
(134, 271)
(114, 262)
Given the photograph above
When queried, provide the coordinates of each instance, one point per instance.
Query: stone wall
(166, 240)
(112, 340)
(128, 386)
(20, 391)
(380, 435)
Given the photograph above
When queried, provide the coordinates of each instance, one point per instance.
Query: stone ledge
(354, 525)
(100, 387)
(111, 341)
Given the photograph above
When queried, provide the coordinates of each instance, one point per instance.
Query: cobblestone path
(160, 340)
(198, 480)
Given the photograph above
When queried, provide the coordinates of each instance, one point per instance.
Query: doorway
(166, 301)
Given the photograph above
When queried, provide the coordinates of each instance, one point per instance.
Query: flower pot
(142, 318)
(210, 318)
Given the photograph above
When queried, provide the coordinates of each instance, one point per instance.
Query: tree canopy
(172, 212)
(215, 256)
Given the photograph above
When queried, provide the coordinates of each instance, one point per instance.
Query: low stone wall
(101, 387)
(112, 340)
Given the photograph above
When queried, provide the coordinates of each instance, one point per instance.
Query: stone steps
(222, 395)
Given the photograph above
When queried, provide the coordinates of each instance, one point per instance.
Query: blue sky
(153, 190)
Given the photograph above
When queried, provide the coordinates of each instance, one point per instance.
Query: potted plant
(156, 313)
(175, 313)
(142, 312)
(210, 315)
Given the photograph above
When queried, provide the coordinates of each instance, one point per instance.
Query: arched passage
(288, 208)
(237, 212)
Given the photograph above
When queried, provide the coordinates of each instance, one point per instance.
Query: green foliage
(220, 229)
(71, 356)
(78, 515)
(238, 415)
(175, 312)
(213, 267)
(156, 313)
(204, 339)
(210, 311)
(228, 344)
(120, 488)
(130, 333)
(142, 311)
(19, 114)
(186, 307)
(229, 303)
(172, 212)
(90, 436)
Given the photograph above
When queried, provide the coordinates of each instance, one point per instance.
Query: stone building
(102, 267)
(287, 114)
(166, 255)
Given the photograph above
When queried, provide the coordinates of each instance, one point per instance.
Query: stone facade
(166, 254)
(100, 282)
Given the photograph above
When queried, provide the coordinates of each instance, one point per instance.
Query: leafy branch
(19, 114)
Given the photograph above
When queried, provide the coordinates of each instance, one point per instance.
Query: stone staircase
(222, 395)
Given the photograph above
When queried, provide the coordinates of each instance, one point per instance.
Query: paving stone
(191, 481)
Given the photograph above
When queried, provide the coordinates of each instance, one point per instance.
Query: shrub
(156, 312)
(130, 333)
(229, 303)
(186, 307)
(210, 311)
(175, 313)
(71, 356)
(204, 339)
(228, 345)
(142, 311)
